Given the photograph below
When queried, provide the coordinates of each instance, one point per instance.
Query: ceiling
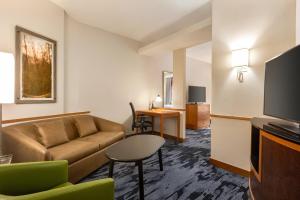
(141, 20)
(202, 52)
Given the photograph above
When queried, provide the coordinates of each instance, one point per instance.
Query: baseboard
(250, 190)
(167, 136)
(229, 167)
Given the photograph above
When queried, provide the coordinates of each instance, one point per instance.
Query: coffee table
(135, 149)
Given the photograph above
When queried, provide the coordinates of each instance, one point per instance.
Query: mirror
(167, 88)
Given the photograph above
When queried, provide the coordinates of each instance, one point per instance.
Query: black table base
(141, 179)
(111, 168)
(140, 170)
(160, 160)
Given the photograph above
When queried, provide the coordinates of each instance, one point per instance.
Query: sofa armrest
(94, 190)
(26, 178)
(23, 148)
(106, 125)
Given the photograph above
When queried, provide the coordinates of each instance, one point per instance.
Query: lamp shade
(240, 58)
(7, 78)
(158, 99)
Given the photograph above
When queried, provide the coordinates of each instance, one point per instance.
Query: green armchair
(47, 181)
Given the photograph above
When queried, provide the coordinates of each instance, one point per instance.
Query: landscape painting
(36, 66)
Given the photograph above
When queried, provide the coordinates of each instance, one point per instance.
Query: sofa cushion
(51, 133)
(73, 150)
(85, 125)
(104, 139)
(71, 128)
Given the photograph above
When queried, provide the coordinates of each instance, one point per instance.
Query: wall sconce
(240, 60)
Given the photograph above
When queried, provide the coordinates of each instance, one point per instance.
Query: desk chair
(139, 122)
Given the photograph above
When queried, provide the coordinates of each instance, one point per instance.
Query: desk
(162, 114)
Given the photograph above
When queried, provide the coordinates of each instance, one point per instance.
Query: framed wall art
(35, 68)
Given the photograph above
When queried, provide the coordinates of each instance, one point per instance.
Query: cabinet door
(203, 118)
(191, 116)
(280, 168)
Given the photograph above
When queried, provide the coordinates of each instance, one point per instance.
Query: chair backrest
(32, 177)
(133, 113)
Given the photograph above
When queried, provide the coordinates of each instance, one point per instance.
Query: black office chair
(139, 122)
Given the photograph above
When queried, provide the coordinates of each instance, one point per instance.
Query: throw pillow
(85, 125)
(51, 133)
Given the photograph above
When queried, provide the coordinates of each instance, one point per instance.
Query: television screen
(197, 94)
(282, 84)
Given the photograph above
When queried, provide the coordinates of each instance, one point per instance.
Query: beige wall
(104, 73)
(298, 22)
(179, 78)
(267, 28)
(179, 85)
(44, 18)
(198, 73)
(231, 142)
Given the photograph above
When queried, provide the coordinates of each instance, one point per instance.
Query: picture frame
(167, 88)
(35, 68)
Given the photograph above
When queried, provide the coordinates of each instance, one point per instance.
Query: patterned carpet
(187, 174)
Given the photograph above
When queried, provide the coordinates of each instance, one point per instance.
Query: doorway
(198, 87)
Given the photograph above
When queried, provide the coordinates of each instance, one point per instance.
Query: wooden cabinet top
(263, 124)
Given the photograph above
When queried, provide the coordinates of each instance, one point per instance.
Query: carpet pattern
(187, 174)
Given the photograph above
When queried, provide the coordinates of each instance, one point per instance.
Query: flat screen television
(282, 89)
(196, 94)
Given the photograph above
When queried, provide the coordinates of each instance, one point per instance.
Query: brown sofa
(84, 154)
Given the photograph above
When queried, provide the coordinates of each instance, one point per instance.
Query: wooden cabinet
(275, 163)
(197, 116)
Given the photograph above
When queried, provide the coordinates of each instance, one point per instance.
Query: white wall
(44, 18)
(198, 73)
(155, 66)
(267, 28)
(298, 21)
(104, 73)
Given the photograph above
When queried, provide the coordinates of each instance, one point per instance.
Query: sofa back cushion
(51, 133)
(27, 129)
(70, 127)
(85, 125)
(30, 130)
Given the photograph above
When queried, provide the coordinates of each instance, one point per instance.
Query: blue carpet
(187, 174)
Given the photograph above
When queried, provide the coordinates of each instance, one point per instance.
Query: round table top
(135, 148)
